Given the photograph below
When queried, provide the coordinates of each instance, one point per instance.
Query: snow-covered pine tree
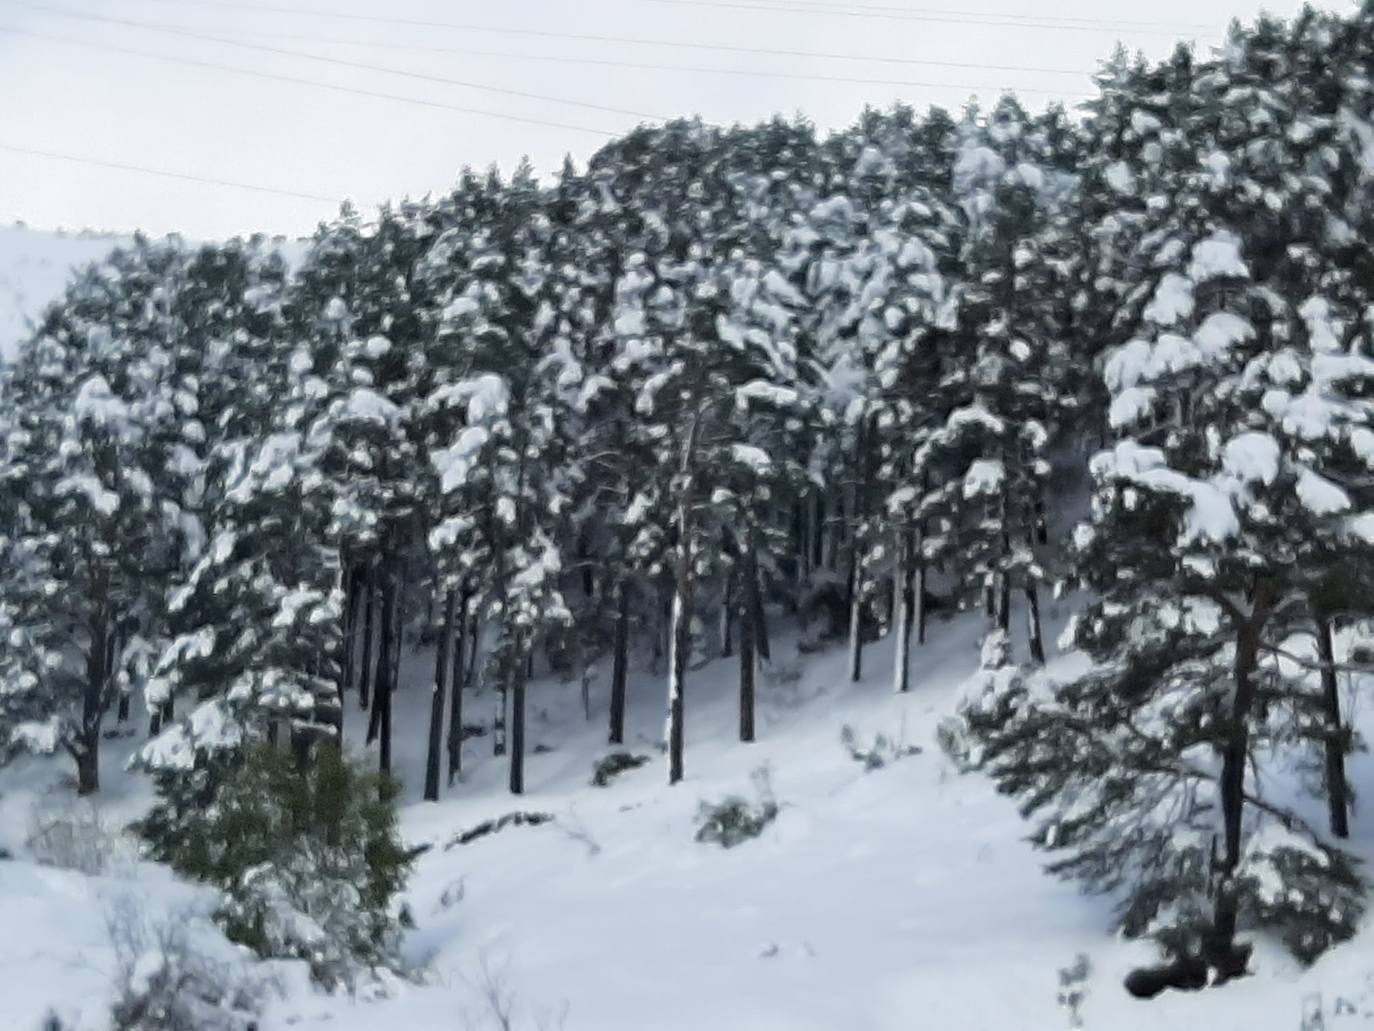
(498, 470)
(98, 524)
(1236, 489)
(1008, 384)
(251, 610)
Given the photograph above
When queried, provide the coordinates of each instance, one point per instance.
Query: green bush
(309, 858)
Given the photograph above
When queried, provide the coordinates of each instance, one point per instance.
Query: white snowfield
(899, 899)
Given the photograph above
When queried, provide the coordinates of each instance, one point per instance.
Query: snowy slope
(34, 268)
(883, 901)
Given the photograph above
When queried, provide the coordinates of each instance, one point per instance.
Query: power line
(183, 176)
(584, 37)
(205, 38)
(1180, 28)
(295, 80)
(839, 12)
(694, 69)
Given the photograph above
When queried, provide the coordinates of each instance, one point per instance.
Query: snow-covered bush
(734, 819)
(165, 983)
(613, 765)
(75, 837)
(309, 859)
(881, 752)
(987, 701)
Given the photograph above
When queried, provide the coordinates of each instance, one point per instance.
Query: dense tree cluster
(723, 376)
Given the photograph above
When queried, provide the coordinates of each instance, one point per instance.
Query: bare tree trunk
(369, 618)
(1234, 757)
(1337, 788)
(620, 660)
(1037, 641)
(758, 618)
(474, 646)
(437, 702)
(517, 723)
(746, 672)
(455, 719)
(679, 644)
(856, 643)
(398, 642)
(727, 618)
(379, 724)
(352, 591)
(901, 591)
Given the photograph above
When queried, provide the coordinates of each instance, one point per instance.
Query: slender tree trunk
(98, 666)
(758, 618)
(620, 660)
(385, 668)
(1235, 754)
(369, 618)
(437, 702)
(498, 729)
(399, 641)
(1004, 580)
(474, 646)
(727, 617)
(746, 672)
(825, 533)
(386, 682)
(455, 718)
(352, 590)
(1337, 789)
(1037, 641)
(901, 591)
(857, 512)
(517, 724)
(116, 643)
(679, 644)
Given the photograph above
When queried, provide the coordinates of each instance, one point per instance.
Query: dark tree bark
(351, 619)
(1337, 788)
(902, 596)
(474, 646)
(455, 719)
(746, 673)
(87, 750)
(437, 702)
(1037, 641)
(369, 619)
(727, 618)
(620, 661)
(517, 725)
(379, 722)
(857, 512)
(1234, 757)
(398, 643)
(758, 620)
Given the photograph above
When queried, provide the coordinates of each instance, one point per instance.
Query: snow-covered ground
(888, 900)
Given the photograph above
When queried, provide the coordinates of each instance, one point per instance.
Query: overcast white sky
(70, 86)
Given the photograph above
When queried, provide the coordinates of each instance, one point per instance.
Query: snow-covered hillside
(879, 900)
(34, 268)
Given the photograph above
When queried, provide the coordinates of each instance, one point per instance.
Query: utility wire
(697, 70)
(295, 80)
(540, 33)
(423, 77)
(183, 176)
(1116, 24)
(835, 12)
